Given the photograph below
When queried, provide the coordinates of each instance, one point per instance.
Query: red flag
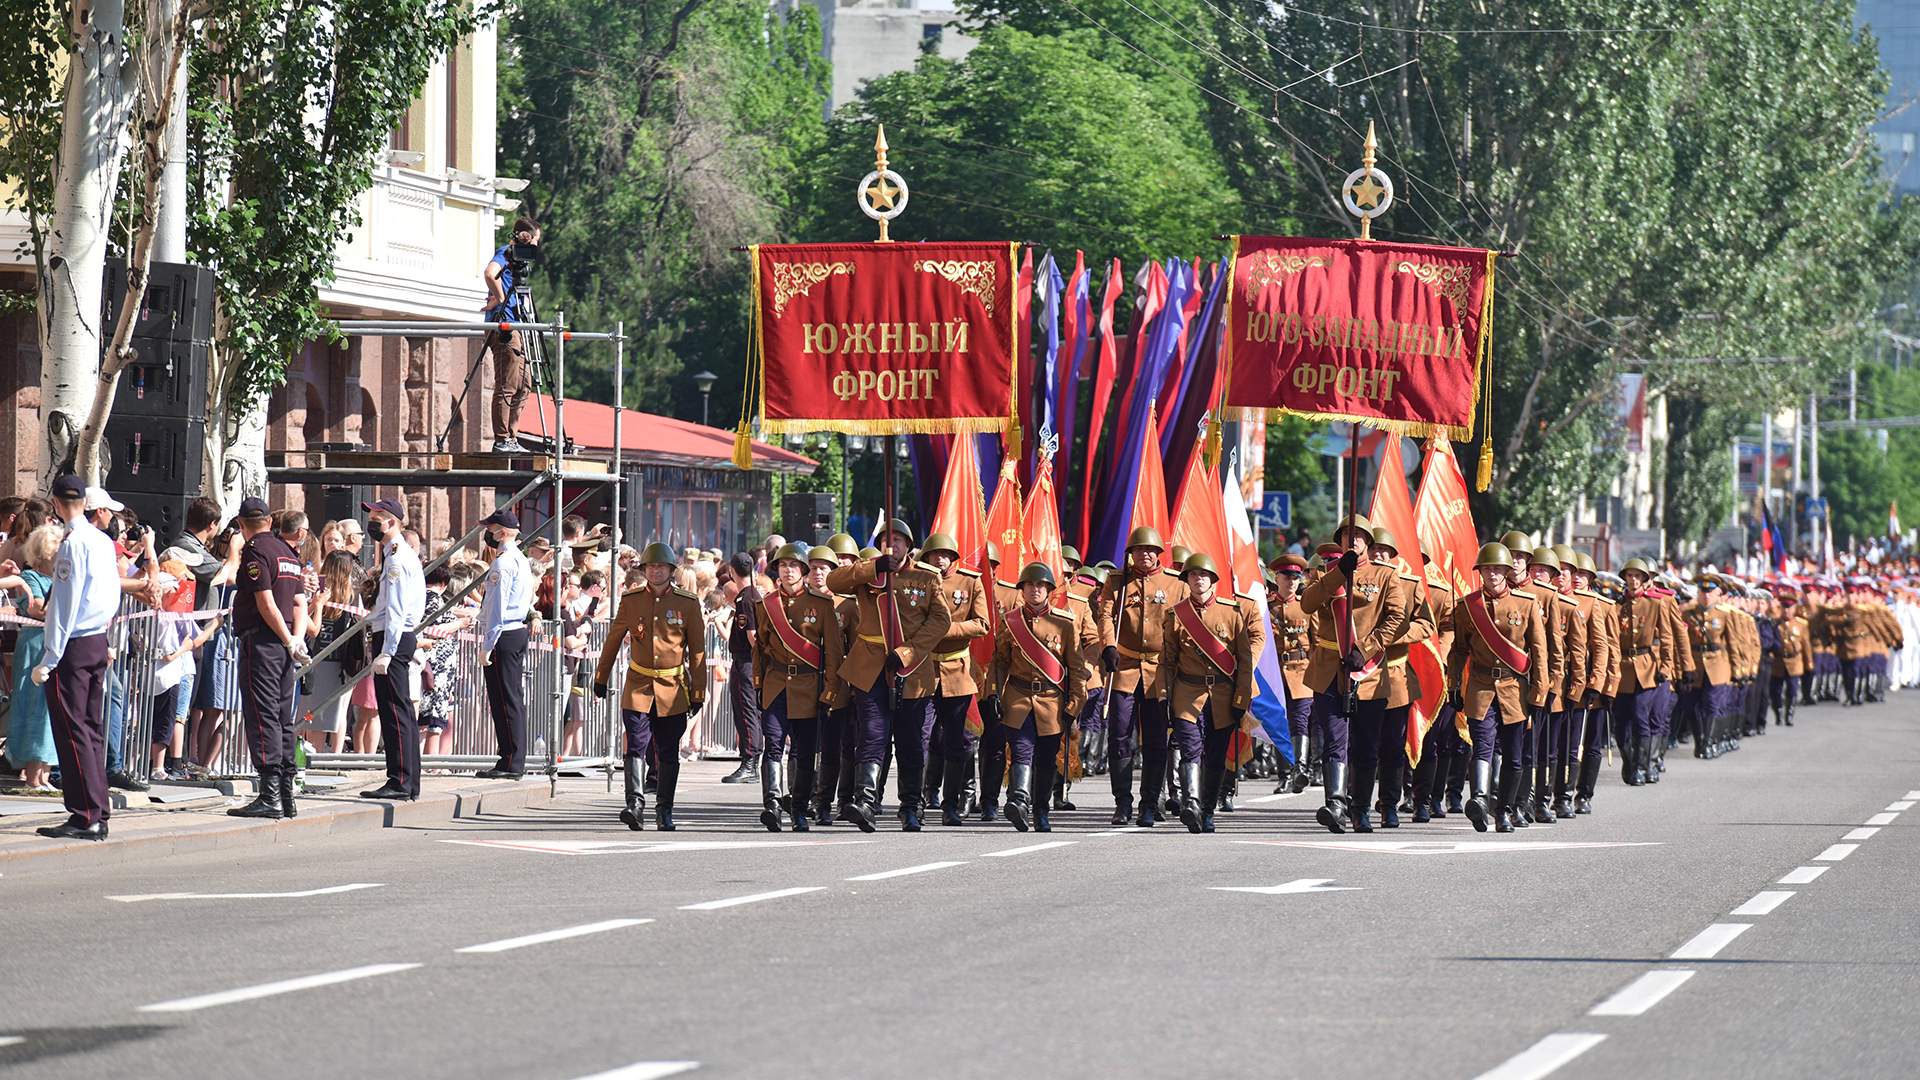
(1150, 494)
(1445, 526)
(1003, 528)
(1176, 368)
(962, 512)
(1200, 520)
(1393, 510)
(1041, 522)
(1102, 392)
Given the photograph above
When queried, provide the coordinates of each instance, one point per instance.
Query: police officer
(666, 637)
(503, 641)
(1132, 608)
(84, 597)
(1039, 679)
(952, 672)
(902, 620)
(798, 643)
(1502, 634)
(1206, 679)
(270, 619)
(397, 610)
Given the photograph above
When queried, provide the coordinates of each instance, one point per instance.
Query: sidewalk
(155, 830)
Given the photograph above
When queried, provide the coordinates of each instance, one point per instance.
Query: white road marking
(1448, 847)
(1763, 903)
(905, 870)
(1903, 804)
(1118, 832)
(630, 847)
(1707, 944)
(645, 1070)
(1641, 994)
(1029, 847)
(11, 1040)
(1302, 885)
(543, 937)
(1836, 853)
(736, 901)
(1912, 795)
(1882, 818)
(1805, 875)
(1543, 1057)
(1860, 834)
(1274, 798)
(284, 986)
(140, 898)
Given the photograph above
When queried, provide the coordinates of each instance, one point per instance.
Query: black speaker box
(154, 454)
(178, 305)
(165, 379)
(807, 517)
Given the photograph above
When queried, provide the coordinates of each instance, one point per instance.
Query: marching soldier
(951, 671)
(1588, 733)
(1206, 678)
(1712, 635)
(666, 637)
(503, 640)
(397, 611)
(799, 644)
(834, 788)
(1794, 661)
(1498, 667)
(993, 740)
(1443, 745)
(1039, 682)
(1646, 666)
(1358, 611)
(270, 618)
(1295, 632)
(1132, 609)
(902, 620)
(1389, 745)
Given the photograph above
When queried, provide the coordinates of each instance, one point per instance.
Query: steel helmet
(658, 552)
(1636, 565)
(1516, 542)
(796, 552)
(993, 553)
(1494, 554)
(895, 525)
(1145, 537)
(1354, 521)
(1383, 538)
(1565, 554)
(869, 552)
(824, 554)
(1179, 555)
(1069, 553)
(1202, 563)
(940, 542)
(842, 544)
(1544, 556)
(1038, 574)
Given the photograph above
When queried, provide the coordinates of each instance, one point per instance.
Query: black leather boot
(288, 783)
(1019, 796)
(266, 804)
(1360, 799)
(826, 783)
(1563, 790)
(747, 773)
(933, 773)
(953, 802)
(771, 779)
(912, 787)
(1190, 795)
(1390, 784)
(802, 791)
(1302, 769)
(1121, 779)
(1508, 814)
(1589, 779)
(668, 776)
(1150, 793)
(636, 807)
(1477, 808)
(866, 793)
(992, 771)
(1332, 814)
(1212, 790)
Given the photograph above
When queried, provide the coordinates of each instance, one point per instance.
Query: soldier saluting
(1499, 640)
(1040, 678)
(666, 639)
(1206, 678)
(799, 643)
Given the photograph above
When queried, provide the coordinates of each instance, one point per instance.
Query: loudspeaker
(178, 305)
(161, 455)
(165, 379)
(165, 511)
(336, 502)
(807, 516)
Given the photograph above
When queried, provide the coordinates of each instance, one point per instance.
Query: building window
(930, 37)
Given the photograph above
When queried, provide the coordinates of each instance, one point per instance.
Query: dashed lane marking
(1836, 852)
(1641, 994)
(1449, 847)
(631, 847)
(140, 898)
(906, 870)
(284, 986)
(1885, 818)
(1029, 848)
(736, 901)
(645, 1070)
(1544, 1057)
(545, 936)
(1860, 834)
(1274, 798)
(1764, 903)
(1902, 805)
(1301, 885)
(11, 1040)
(1912, 795)
(1804, 875)
(1707, 944)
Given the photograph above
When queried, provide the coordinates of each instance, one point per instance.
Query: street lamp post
(704, 382)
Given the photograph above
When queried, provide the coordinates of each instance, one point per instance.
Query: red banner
(1390, 335)
(884, 339)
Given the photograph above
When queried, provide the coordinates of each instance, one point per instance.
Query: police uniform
(799, 641)
(83, 598)
(1040, 678)
(397, 611)
(269, 566)
(503, 640)
(1132, 612)
(885, 654)
(666, 638)
(1206, 678)
(1499, 664)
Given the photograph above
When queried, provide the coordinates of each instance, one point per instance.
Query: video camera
(520, 259)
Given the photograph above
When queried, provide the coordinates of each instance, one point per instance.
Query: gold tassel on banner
(755, 369)
(742, 447)
(1483, 472)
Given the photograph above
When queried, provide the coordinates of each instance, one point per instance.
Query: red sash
(890, 631)
(1343, 633)
(1215, 650)
(796, 643)
(1505, 651)
(1037, 654)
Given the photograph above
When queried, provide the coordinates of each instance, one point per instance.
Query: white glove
(298, 650)
(40, 674)
(381, 663)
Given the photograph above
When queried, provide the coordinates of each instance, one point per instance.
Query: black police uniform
(268, 565)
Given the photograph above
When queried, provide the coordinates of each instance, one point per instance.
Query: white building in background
(865, 39)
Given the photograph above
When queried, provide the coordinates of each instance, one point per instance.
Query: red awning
(662, 439)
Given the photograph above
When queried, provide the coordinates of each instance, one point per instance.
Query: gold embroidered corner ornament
(976, 277)
(1452, 282)
(798, 279)
(1270, 266)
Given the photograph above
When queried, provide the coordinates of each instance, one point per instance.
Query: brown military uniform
(1574, 633)
(1139, 633)
(666, 638)
(923, 622)
(1711, 632)
(1023, 689)
(1296, 645)
(1796, 647)
(1188, 680)
(1379, 617)
(1602, 648)
(949, 672)
(1473, 666)
(1403, 685)
(1645, 652)
(778, 670)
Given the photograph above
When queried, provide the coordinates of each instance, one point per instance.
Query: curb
(343, 815)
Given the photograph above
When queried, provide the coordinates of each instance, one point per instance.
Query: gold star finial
(1367, 193)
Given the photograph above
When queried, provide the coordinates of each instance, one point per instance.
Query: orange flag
(1200, 522)
(1150, 493)
(1393, 510)
(962, 513)
(1445, 526)
(1041, 523)
(1003, 522)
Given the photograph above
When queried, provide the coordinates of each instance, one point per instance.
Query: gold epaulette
(1228, 601)
(1087, 600)
(967, 571)
(1565, 599)
(688, 593)
(1524, 595)
(821, 593)
(1062, 612)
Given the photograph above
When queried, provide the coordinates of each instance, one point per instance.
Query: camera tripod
(534, 344)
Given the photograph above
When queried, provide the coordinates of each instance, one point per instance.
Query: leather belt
(654, 673)
(1712, 648)
(1208, 681)
(1502, 673)
(1033, 686)
(1295, 654)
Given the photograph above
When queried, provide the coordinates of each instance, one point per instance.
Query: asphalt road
(1653, 939)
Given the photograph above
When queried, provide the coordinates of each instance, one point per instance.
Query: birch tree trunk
(86, 172)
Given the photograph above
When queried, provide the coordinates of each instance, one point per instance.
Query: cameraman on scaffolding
(507, 269)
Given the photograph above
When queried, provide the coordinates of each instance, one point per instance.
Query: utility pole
(1766, 460)
(1793, 519)
(1733, 515)
(1813, 445)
